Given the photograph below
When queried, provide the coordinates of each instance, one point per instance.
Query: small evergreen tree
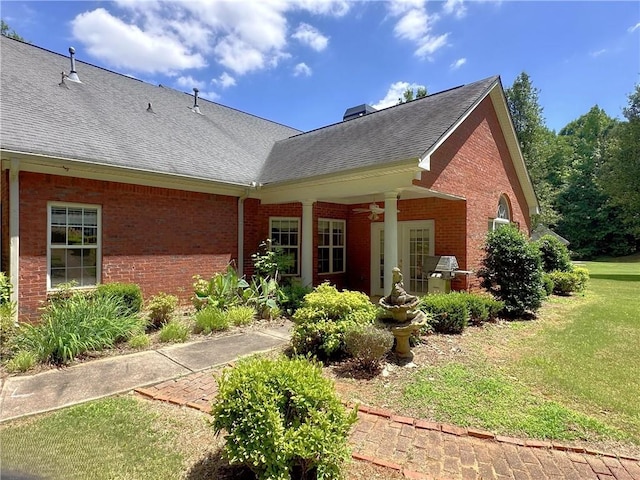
(511, 271)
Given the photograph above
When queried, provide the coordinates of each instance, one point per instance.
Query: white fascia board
(425, 159)
(341, 187)
(108, 173)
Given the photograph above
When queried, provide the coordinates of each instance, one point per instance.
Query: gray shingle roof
(394, 134)
(105, 120)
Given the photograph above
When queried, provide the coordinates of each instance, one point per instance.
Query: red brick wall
(155, 237)
(475, 163)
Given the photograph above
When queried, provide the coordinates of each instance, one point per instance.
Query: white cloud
(224, 80)
(302, 69)
(415, 24)
(458, 63)
(455, 7)
(597, 53)
(634, 27)
(129, 47)
(189, 82)
(394, 93)
(169, 37)
(310, 36)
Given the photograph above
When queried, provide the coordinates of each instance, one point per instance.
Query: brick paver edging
(483, 434)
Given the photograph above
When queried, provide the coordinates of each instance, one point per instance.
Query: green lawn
(570, 375)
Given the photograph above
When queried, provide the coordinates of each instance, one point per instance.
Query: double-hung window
(331, 246)
(73, 255)
(285, 235)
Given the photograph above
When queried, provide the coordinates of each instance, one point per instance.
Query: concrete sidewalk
(28, 395)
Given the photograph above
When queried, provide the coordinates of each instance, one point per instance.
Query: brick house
(112, 179)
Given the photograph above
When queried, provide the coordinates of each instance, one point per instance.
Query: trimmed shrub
(482, 308)
(325, 316)
(565, 283)
(511, 271)
(283, 419)
(161, 308)
(130, 295)
(449, 313)
(547, 282)
(554, 254)
(174, 331)
(241, 315)
(368, 345)
(74, 326)
(210, 319)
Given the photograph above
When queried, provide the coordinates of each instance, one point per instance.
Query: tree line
(586, 176)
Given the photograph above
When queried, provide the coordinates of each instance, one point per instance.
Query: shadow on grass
(613, 276)
(214, 465)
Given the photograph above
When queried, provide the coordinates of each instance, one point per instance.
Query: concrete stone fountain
(404, 320)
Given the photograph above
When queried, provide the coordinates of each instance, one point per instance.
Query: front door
(415, 242)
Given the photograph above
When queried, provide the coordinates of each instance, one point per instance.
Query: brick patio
(428, 450)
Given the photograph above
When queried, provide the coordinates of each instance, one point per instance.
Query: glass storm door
(415, 242)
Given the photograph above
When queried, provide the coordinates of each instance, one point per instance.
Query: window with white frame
(331, 246)
(503, 215)
(73, 244)
(285, 235)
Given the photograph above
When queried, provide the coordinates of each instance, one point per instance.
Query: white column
(307, 243)
(390, 238)
(14, 228)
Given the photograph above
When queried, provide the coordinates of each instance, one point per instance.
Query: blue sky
(303, 62)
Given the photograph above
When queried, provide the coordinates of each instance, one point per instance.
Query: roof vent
(359, 111)
(196, 108)
(150, 109)
(73, 75)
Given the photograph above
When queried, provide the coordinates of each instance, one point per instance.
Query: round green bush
(368, 345)
(449, 313)
(554, 254)
(511, 271)
(282, 418)
(129, 294)
(161, 308)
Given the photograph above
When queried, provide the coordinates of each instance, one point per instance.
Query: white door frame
(403, 250)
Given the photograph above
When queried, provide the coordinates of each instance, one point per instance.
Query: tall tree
(7, 31)
(409, 94)
(539, 145)
(588, 219)
(620, 175)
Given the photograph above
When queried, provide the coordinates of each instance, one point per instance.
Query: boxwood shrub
(129, 294)
(482, 307)
(565, 283)
(449, 312)
(282, 419)
(324, 317)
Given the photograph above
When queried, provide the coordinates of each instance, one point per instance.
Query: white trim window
(285, 235)
(331, 246)
(73, 244)
(503, 215)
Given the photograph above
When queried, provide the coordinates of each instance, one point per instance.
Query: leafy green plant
(223, 290)
(511, 271)
(76, 325)
(211, 319)
(241, 315)
(161, 308)
(283, 419)
(449, 313)
(5, 289)
(565, 283)
(554, 254)
(139, 341)
(174, 331)
(271, 261)
(325, 316)
(264, 294)
(21, 361)
(547, 283)
(368, 345)
(129, 293)
(292, 295)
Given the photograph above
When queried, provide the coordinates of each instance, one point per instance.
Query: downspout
(14, 231)
(241, 199)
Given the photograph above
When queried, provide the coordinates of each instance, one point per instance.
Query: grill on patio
(441, 269)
